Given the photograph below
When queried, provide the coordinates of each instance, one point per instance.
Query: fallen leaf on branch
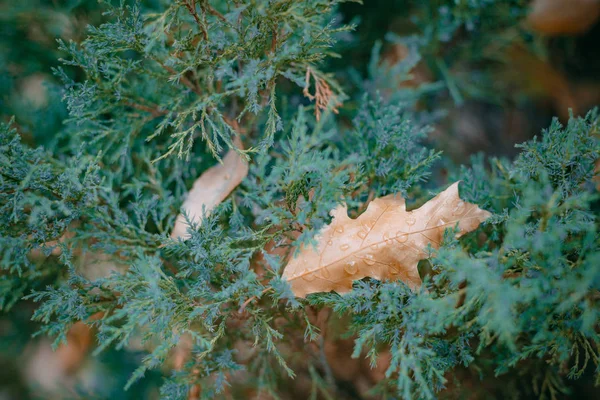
(556, 17)
(211, 188)
(386, 242)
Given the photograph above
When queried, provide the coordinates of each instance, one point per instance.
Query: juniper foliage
(160, 93)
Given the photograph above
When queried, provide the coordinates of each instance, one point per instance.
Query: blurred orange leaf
(556, 17)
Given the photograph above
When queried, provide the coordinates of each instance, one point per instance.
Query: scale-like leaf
(386, 242)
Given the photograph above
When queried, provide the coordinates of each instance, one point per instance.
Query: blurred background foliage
(487, 73)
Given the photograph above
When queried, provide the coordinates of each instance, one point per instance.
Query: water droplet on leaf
(351, 267)
(401, 237)
(309, 277)
(369, 259)
(386, 237)
(459, 208)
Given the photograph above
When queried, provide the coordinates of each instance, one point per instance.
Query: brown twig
(216, 13)
(189, 84)
(154, 111)
(191, 6)
(243, 307)
(274, 41)
(323, 96)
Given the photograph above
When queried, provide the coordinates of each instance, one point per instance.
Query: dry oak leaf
(211, 188)
(559, 17)
(386, 242)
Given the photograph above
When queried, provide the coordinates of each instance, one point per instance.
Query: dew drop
(227, 177)
(309, 277)
(369, 259)
(459, 208)
(344, 247)
(401, 237)
(386, 237)
(339, 229)
(362, 234)
(329, 242)
(375, 246)
(411, 220)
(351, 267)
(325, 273)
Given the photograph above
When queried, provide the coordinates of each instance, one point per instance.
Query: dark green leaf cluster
(39, 198)
(193, 69)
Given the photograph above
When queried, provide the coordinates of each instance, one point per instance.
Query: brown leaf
(55, 373)
(556, 17)
(211, 188)
(386, 242)
(536, 77)
(79, 340)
